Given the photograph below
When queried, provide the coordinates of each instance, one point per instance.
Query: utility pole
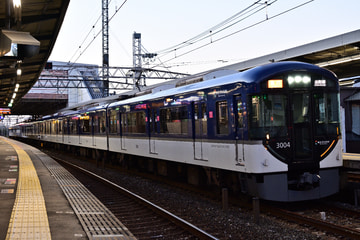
(138, 71)
(137, 65)
(105, 46)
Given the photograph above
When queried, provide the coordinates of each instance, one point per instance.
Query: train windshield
(268, 116)
(297, 119)
(326, 113)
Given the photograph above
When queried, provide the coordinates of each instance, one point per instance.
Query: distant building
(79, 81)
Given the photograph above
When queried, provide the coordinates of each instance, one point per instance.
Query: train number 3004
(283, 145)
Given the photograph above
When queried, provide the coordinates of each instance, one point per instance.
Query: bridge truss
(63, 77)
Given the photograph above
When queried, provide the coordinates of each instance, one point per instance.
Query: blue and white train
(272, 131)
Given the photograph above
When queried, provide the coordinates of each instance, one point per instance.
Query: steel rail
(168, 215)
(316, 223)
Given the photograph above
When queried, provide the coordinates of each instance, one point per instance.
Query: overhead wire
(249, 11)
(206, 33)
(233, 33)
(218, 28)
(91, 30)
(96, 35)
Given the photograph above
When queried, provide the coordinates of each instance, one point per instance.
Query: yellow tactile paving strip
(29, 217)
(351, 156)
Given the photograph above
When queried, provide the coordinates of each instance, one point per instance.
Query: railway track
(143, 218)
(354, 177)
(306, 222)
(331, 219)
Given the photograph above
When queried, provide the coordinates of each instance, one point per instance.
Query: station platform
(351, 160)
(41, 200)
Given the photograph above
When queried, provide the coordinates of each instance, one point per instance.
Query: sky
(165, 24)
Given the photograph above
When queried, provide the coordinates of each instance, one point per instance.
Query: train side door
(152, 129)
(93, 129)
(63, 129)
(123, 126)
(302, 144)
(239, 131)
(200, 130)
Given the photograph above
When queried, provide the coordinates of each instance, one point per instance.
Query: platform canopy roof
(340, 54)
(36, 25)
(42, 19)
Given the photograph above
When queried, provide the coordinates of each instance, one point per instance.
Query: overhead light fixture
(18, 71)
(17, 3)
(339, 60)
(17, 11)
(18, 44)
(17, 87)
(14, 95)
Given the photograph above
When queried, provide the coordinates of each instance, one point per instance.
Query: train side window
(136, 122)
(73, 125)
(123, 123)
(48, 127)
(53, 127)
(153, 121)
(113, 121)
(174, 120)
(95, 124)
(85, 124)
(200, 119)
(240, 116)
(102, 122)
(60, 127)
(222, 118)
(41, 128)
(66, 126)
(99, 122)
(204, 118)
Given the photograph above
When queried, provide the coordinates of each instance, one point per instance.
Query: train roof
(251, 76)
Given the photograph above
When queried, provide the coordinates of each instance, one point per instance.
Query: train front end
(296, 115)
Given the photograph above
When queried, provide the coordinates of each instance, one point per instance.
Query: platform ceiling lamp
(17, 3)
(17, 11)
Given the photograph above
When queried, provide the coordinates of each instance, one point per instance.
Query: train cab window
(300, 108)
(326, 113)
(174, 120)
(267, 116)
(222, 118)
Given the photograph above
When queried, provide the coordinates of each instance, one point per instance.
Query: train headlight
(298, 80)
(291, 80)
(306, 79)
